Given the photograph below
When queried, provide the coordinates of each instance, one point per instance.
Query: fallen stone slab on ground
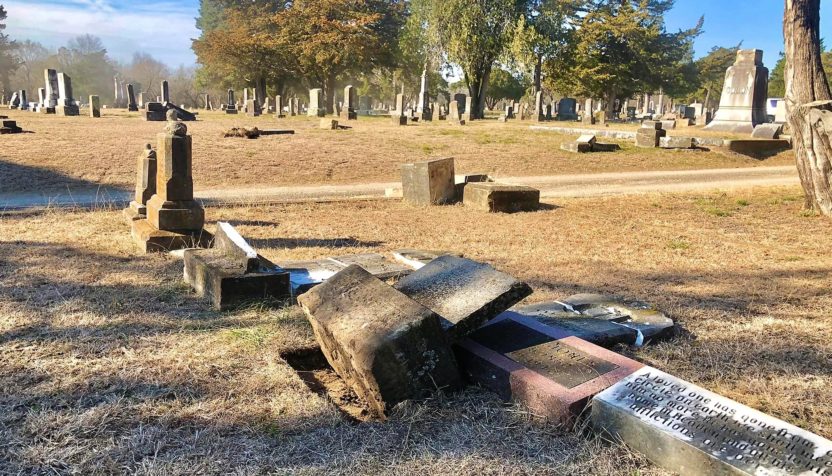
(375, 264)
(755, 147)
(767, 131)
(501, 198)
(463, 292)
(231, 273)
(650, 323)
(10, 127)
(386, 346)
(416, 259)
(548, 371)
(304, 275)
(689, 430)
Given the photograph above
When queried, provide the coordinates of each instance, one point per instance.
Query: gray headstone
(743, 102)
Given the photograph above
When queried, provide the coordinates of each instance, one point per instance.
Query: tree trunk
(808, 102)
(329, 93)
(538, 73)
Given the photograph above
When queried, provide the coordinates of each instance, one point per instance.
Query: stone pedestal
(496, 197)
(743, 102)
(429, 183)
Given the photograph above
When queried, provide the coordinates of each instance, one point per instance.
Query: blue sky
(164, 28)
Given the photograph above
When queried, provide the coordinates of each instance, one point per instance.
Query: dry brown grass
(84, 153)
(110, 365)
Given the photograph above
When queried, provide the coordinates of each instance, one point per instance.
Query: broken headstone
(501, 198)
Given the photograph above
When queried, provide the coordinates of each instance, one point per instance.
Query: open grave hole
(312, 367)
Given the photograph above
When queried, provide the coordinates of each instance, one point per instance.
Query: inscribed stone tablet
(689, 430)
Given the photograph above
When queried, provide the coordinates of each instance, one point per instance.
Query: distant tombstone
(548, 110)
(14, 102)
(364, 105)
(140, 100)
(767, 131)
(397, 117)
(267, 105)
(295, 110)
(567, 109)
(231, 108)
(131, 99)
(423, 107)
(689, 430)
(460, 100)
(453, 111)
(278, 107)
(165, 92)
(50, 77)
(509, 111)
(24, 102)
(41, 98)
(538, 106)
(348, 112)
(95, 106)
(586, 115)
(780, 112)
(316, 106)
(66, 104)
(468, 113)
(600, 117)
(743, 102)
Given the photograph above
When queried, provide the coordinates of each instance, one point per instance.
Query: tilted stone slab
(550, 372)
(689, 430)
(501, 198)
(304, 275)
(602, 332)
(375, 264)
(416, 259)
(767, 131)
(646, 319)
(429, 183)
(386, 346)
(463, 292)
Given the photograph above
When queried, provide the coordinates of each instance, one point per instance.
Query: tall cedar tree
(8, 61)
(808, 102)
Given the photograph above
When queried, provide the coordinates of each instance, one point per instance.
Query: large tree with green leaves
(503, 85)
(711, 68)
(8, 60)
(472, 34)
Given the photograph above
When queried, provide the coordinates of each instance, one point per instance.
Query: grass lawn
(110, 364)
(80, 153)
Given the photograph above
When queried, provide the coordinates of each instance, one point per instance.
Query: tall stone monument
(538, 106)
(743, 102)
(66, 104)
(165, 92)
(145, 185)
(174, 219)
(131, 99)
(398, 117)
(50, 77)
(348, 111)
(24, 101)
(423, 108)
(316, 104)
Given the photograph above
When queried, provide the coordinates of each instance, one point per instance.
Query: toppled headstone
(673, 142)
(429, 183)
(416, 259)
(460, 181)
(546, 370)
(646, 319)
(386, 346)
(329, 124)
(304, 275)
(757, 147)
(231, 273)
(689, 430)
(501, 198)
(464, 293)
(255, 132)
(10, 127)
(767, 131)
(374, 264)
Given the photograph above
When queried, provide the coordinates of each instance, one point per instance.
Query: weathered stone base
(398, 120)
(496, 197)
(736, 127)
(221, 280)
(757, 146)
(231, 110)
(152, 240)
(67, 111)
(134, 211)
(179, 215)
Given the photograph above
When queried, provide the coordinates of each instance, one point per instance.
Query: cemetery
(418, 279)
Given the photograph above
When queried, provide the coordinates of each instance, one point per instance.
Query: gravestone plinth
(429, 183)
(676, 142)
(173, 217)
(544, 369)
(501, 198)
(689, 430)
(155, 111)
(649, 135)
(743, 102)
(231, 273)
(387, 347)
(145, 185)
(464, 293)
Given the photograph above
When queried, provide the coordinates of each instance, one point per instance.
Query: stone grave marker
(66, 104)
(145, 185)
(767, 131)
(501, 198)
(650, 134)
(165, 92)
(50, 77)
(375, 264)
(582, 145)
(95, 106)
(429, 183)
(231, 107)
(304, 275)
(14, 102)
(468, 114)
(548, 371)
(231, 273)
(688, 430)
(649, 322)
(24, 101)
(453, 111)
(348, 113)
(316, 105)
(463, 292)
(387, 347)
(423, 107)
(278, 107)
(743, 102)
(538, 106)
(567, 109)
(675, 142)
(131, 99)
(397, 117)
(416, 259)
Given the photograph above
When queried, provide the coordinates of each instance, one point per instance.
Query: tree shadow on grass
(26, 179)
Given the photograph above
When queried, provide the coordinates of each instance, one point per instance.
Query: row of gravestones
(451, 320)
(55, 98)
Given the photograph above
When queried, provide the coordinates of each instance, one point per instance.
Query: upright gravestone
(41, 99)
(397, 117)
(689, 430)
(429, 183)
(95, 106)
(131, 99)
(140, 100)
(460, 101)
(538, 106)
(24, 101)
(348, 111)
(116, 93)
(469, 109)
(231, 108)
(743, 102)
(423, 108)
(165, 92)
(145, 185)
(295, 107)
(316, 105)
(278, 107)
(453, 111)
(50, 77)
(567, 109)
(66, 104)
(586, 115)
(14, 102)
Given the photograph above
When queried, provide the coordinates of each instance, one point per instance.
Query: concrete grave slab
(650, 322)
(689, 430)
(429, 183)
(672, 142)
(386, 346)
(545, 369)
(767, 131)
(304, 275)
(463, 292)
(375, 264)
(497, 197)
(416, 259)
